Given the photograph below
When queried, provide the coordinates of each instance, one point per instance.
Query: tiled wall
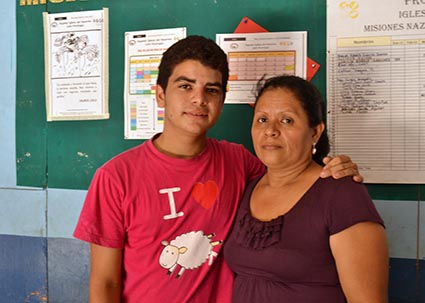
(39, 258)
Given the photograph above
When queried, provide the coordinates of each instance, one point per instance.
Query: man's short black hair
(198, 48)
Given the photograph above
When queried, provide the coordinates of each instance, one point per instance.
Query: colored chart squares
(252, 66)
(133, 116)
(143, 75)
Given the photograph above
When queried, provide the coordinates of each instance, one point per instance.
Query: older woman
(297, 237)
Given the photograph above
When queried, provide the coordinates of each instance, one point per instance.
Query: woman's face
(280, 131)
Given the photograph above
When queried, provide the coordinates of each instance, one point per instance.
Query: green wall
(49, 153)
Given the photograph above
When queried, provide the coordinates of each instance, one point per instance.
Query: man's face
(193, 99)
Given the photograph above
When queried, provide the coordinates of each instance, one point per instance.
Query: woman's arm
(361, 256)
(105, 274)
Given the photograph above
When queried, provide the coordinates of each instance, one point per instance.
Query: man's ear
(160, 96)
(317, 131)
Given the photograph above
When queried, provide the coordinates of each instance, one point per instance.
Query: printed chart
(256, 56)
(252, 66)
(144, 49)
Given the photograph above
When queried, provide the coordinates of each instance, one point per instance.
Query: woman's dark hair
(198, 48)
(310, 99)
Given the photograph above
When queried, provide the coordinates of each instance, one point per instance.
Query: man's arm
(339, 167)
(105, 274)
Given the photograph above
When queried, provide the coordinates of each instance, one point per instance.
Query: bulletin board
(65, 154)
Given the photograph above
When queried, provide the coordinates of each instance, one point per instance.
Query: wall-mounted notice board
(65, 154)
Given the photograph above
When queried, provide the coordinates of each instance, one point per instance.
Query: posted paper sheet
(143, 53)
(376, 87)
(76, 65)
(253, 56)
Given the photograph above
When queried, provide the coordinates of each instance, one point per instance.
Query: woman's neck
(276, 177)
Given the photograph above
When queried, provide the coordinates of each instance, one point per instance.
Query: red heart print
(205, 194)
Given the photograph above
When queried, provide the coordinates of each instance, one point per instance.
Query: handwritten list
(376, 104)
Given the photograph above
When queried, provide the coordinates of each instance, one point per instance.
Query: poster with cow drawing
(76, 65)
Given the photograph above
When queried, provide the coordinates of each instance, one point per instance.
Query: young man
(158, 214)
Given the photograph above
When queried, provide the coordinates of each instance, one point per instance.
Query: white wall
(7, 96)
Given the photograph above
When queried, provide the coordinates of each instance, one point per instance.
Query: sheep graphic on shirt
(189, 250)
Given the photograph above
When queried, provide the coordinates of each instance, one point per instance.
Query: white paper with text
(76, 65)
